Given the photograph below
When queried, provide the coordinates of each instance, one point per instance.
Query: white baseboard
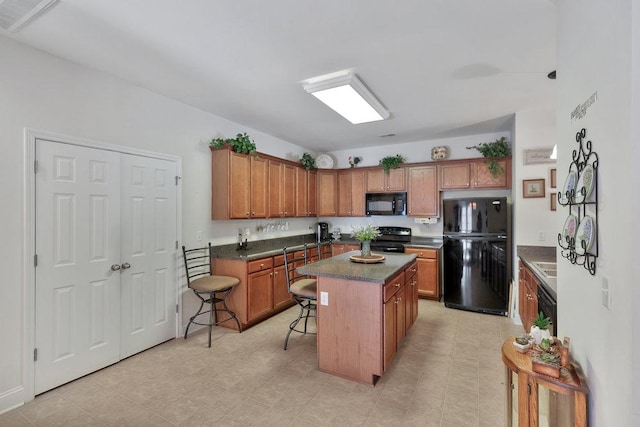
(11, 399)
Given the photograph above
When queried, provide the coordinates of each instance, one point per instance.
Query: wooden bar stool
(212, 290)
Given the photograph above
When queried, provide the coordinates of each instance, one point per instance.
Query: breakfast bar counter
(363, 312)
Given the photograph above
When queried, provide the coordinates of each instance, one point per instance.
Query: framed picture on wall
(552, 178)
(532, 188)
(554, 199)
(534, 156)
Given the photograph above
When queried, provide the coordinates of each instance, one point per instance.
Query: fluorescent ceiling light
(554, 153)
(347, 96)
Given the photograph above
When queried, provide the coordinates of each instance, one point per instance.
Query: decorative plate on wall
(585, 181)
(585, 234)
(324, 161)
(569, 184)
(569, 228)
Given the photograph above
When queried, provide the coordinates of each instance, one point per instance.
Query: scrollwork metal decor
(584, 164)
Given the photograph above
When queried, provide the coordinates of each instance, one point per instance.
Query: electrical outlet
(541, 236)
(324, 298)
(199, 236)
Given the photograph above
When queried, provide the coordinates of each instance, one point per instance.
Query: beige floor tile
(447, 372)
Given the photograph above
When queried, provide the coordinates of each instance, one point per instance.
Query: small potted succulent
(365, 234)
(540, 328)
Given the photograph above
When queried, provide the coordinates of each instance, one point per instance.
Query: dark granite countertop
(425, 242)
(340, 267)
(262, 248)
(531, 254)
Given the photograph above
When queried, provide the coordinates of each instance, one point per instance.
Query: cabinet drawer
(278, 260)
(392, 286)
(423, 253)
(411, 271)
(260, 265)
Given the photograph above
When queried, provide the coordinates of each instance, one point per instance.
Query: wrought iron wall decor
(578, 239)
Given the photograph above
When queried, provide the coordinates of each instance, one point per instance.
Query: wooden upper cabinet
(327, 193)
(275, 189)
(351, 193)
(483, 178)
(306, 182)
(289, 190)
(259, 186)
(302, 205)
(423, 195)
(231, 186)
(379, 181)
(474, 174)
(454, 176)
(312, 195)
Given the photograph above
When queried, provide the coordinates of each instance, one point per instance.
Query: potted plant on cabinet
(494, 150)
(242, 143)
(539, 329)
(307, 161)
(391, 162)
(365, 234)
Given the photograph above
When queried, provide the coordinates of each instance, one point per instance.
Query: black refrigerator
(477, 254)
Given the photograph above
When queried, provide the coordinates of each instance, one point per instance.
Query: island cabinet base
(350, 329)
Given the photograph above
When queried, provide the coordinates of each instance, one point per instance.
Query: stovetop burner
(392, 239)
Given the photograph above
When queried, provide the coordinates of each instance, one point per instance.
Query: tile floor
(448, 372)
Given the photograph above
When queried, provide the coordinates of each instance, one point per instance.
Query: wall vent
(15, 14)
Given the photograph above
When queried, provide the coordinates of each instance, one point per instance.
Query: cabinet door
(522, 295)
(357, 193)
(275, 189)
(312, 199)
(302, 206)
(259, 294)
(396, 180)
(482, 177)
(344, 193)
(389, 331)
(281, 295)
(424, 198)
(239, 186)
(375, 180)
(327, 193)
(288, 190)
(401, 321)
(428, 276)
(337, 249)
(455, 176)
(259, 185)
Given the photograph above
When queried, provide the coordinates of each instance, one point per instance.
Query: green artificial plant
(242, 143)
(366, 232)
(494, 150)
(391, 162)
(541, 321)
(307, 161)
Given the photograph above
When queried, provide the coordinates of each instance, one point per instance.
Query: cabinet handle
(248, 214)
(125, 266)
(397, 285)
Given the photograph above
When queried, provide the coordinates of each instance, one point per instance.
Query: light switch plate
(324, 298)
(606, 293)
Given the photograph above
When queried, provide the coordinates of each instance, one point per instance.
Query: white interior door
(106, 234)
(77, 241)
(149, 248)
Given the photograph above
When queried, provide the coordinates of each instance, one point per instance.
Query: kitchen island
(363, 312)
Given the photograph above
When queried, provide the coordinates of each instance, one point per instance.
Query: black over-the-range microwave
(386, 204)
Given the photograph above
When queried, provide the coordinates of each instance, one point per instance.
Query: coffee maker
(322, 232)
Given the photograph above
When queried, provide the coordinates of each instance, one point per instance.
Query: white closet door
(149, 233)
(77, 242)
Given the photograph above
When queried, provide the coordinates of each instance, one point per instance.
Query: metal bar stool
(210, 289)
(301, 287)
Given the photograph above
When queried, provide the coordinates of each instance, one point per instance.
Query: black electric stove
(392, 239)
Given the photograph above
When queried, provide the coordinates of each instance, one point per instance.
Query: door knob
(115, 267)
(126, 265)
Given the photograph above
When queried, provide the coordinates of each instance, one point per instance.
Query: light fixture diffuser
(348, 96)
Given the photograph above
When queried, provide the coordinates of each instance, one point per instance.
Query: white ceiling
(442, 67)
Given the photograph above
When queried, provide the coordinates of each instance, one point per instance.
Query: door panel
(77, 294)
(148, 246)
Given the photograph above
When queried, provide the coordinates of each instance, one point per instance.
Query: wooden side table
(535, 399)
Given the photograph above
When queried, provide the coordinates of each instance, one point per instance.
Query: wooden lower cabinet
(261, 293)
(397, 309)
(527, 296)
(411, 283)
(340, 248)
(428, 277)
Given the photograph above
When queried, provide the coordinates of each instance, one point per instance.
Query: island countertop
(340, 267)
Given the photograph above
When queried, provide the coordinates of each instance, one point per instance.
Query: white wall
(533, 216)
(595, 41)
(41, 92)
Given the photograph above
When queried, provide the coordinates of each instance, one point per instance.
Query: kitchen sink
(548, 269)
